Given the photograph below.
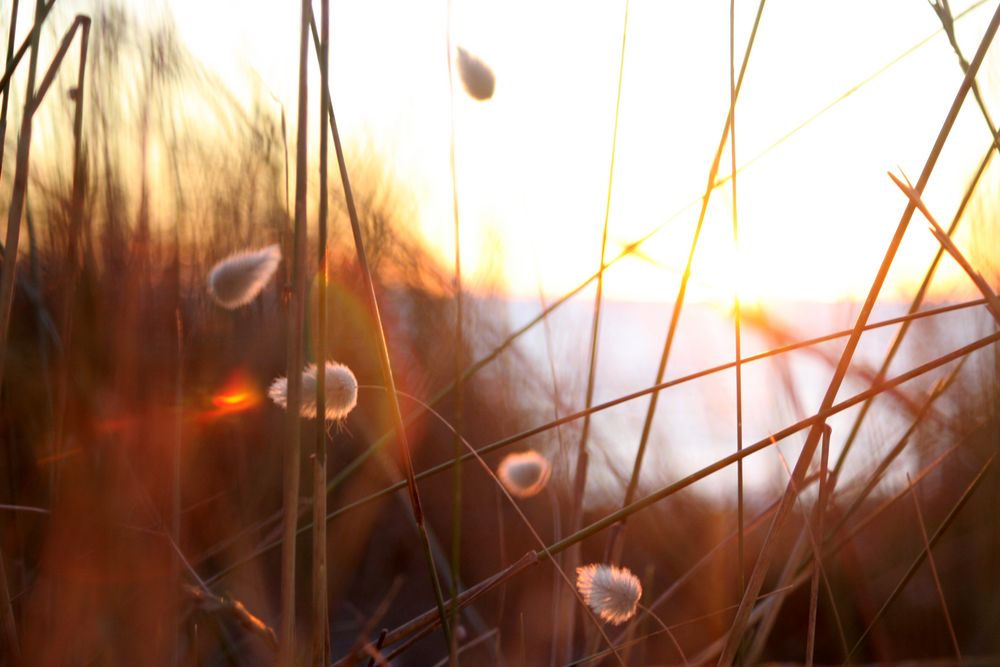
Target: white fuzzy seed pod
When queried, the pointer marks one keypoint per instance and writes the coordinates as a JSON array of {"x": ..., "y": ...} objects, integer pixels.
[
  {"x": 341, "y": 392},
  {"x": 238, "y": 279},
  {"x": 612, "y": 592},
  {"x": 524, "y": 474},
  {"x": 477, "y": 78}
]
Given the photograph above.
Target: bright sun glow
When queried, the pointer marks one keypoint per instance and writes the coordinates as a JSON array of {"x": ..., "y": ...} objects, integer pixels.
[
  {"x": 235, "y": 398},
  {"x": 533, "y": 160}
]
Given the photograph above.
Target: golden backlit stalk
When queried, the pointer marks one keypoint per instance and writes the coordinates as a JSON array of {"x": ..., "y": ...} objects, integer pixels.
[
  {"x": 819, "y": 418},
  {"x": 992, "y": 302},
  {"x": 8, "y": 275},
  {"x": 948, "y": 27},
  {"x": 647, "y": 425},
  {"x": 560, "y": 421},
  {"x": 736, "y": 295},
  {"x": 9, "y": 67},
  {"x": 459, "y": 360},
  {"x": 630, "y": 248},
  {"x": 296, "y": 323},
  {"x": 925, "y": 551},
  {"x": 934, "y": 570},
  {"x": 582, "y": 455},
  {"x": 769, "y": 548},
  {"x": 321, "y": 642},
  {"x": 399, "y": 425}
]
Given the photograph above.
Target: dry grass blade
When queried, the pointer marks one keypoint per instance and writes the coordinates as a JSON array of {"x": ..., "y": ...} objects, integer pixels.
[
  {"x": 582, "y": 454},
  {"x": 812, "y": 531},
  {"x": 925, "y": 551},
  {"x": 384, "y": 361},
  {"x": 372, "y": 621},
  {"x": 685, "y": 277},
  {"x": 484, "y": 637},
  {"x": 295, "y": 333},
  {"x": 934, "y": 571},
  {"x": 632, "y": 248},
  {"x": 41, "y": 13},
  {"x": 943, "y": 10},
  {"x": 9, "y": 67},
  {"x": 796, "y": 555},
  {"x": 741, "y": 548},
  {"x": 992, "y": 302},
  {"x": 819, "y": 514},
  {"x": 209, "y": 603},
  {"x": 805, "y": 571},
  {"x": 768, "y": 549},
  {"x": 456, "y": 503},
  {"x": 9, "y": 625},
  {"x": 80, "y": 21},
  {"x": 800, "y": 425},
  {"x": 7, "y": 278},
  {"x": 426, "y": 622},
  {"x": 524, "y": 519},
  {"x": 936, "y": 392},
  {"x": 378, "y": 647},
  {"x": 871, "y": 392},
  {"x": 321, "y": 621}
]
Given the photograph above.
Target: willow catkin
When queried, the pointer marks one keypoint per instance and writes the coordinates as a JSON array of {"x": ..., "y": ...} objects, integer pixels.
[
  {"x": 612, "y": 592},
  {"x": 341, "y": 391},
  {"x": 238, "y": 279}
]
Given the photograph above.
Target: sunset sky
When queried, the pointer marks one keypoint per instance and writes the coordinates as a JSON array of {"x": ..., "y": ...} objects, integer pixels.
[{"x": 815, "y": 214}]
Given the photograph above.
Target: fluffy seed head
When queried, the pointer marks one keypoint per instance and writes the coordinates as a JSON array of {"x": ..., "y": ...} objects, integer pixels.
[
  {"x": 239, "y": 278},
  {"x": 477, "y": 78},
  {"x": 612, "y": 592},
  {"x": 524, "y": 474},
  {"x": 341, "y": 391}
]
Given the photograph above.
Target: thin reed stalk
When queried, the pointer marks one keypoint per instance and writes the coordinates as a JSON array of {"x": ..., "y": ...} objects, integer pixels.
[
  {"x": 8, "y": 67},
  {"x": 566, "y": 419},
  {"x": 768, "y": 549},
  {"x": 10, "y": 639},
  {"x": 830, "y": 549},
  {"x": 524, "y": 519},
  {"x": 582, "y": 454},
  {"x": 41, "y": 13},
  {"x": 876, "y": 476},
  {"x": 811, "y": 530},
  {"x": 934, "y": 571},
  {"x": 740, "y": 547},
  {"x": 797, "y": 555},
  {"x": 456, "y": 495},
  {"x": 943, "y": 10},
  {"x": 647, "y": 425},
  {"x": 321, "y": 605},
  {"x": 925, "y": 551},
  {"x": 295, "y": 332},
  {"x": 631, "y": 247},
  {"x": 992, "y": 302},
  {"x": 948, "y": 27},
  {"x": 384, "y": 360},
  {"x": 819, "y": 418},
  {"x": 176, "y": 511},
  {"x": 8, "y": 275}
]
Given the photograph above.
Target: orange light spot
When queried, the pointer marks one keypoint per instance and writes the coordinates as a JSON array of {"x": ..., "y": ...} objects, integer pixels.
[
  {"x": 238, "y": 394},
  {"x": 233, "y": 399}
]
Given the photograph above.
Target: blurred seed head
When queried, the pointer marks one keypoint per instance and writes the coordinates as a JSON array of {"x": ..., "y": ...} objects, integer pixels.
[
  {"x": 477, "y": 78},
  {"x": 238, "y": 279},
  {"x": 341, "y": 391},
  {"x": 612, "y": 592},
  {"x": 524, "y": 474}
]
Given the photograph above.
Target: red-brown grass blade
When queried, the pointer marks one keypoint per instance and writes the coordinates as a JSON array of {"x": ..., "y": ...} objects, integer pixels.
[
  {"x": 768, "y": 549},
  {"x": 934, "y": 571}
]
